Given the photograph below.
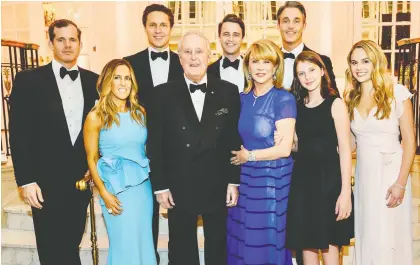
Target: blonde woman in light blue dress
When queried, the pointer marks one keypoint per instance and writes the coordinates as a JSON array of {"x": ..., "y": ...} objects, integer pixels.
[{"x": 115, "y": 137}]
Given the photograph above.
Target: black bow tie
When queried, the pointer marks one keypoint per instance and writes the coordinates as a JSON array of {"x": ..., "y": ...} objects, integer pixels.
[
  {"x": 227, "y": 63},
  {"x": 289, "y": 55},
  {"x": 73, "y": 73},
  {"x": 163, "y": 55},
  {"x": 201, "y": 87}
]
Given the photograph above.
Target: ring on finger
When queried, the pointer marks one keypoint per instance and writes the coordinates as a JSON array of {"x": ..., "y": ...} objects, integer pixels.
[{"x": 109, "y": 210}]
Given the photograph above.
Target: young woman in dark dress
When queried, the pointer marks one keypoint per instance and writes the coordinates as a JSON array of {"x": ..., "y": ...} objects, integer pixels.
[{"x": 320, "y": 200}]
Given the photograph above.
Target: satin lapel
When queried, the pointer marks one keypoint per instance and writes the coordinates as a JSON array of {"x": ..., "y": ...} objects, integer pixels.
[
  {"x": 88, "y": 102},
  {"x": 174, "y": 65},
  {"x": 187, "y": 104},
  {"x": 55, "y": 103},
  {"x": 146, "y": 73},
  {"x": 218, "y": 62},
  {"x": 210, "y": 102}
]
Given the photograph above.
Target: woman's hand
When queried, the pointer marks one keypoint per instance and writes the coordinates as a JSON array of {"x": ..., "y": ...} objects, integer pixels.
[
  {"x": 343, "y": 206},
  {"x": 113, "y": 205},
  {"x": 395, "y": 195},
  {"x": 239, "y": 157}
]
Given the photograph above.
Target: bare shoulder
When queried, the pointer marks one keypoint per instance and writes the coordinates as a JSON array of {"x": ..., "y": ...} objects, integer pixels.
[
  {"x": 339, "y": 108},
  {"x": 93, "y": 120}
]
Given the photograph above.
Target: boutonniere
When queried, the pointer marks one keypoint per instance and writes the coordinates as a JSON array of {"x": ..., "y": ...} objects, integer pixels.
[{"x": 221, "y": 111}]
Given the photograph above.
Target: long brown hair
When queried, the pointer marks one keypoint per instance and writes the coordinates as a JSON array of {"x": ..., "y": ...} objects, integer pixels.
[
  {"x": 265, "y": 50},
  {"x": 383, "y": 84},
  {"x": 298, "y": 90},
  {"x": 106, "y": 109}
]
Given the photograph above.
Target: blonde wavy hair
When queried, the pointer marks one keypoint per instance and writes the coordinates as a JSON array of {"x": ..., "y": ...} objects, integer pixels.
[
  {"x": 382, "y": 81},
  {"x": 106, "y": 109},
  {"x": 264, "y": 50}
]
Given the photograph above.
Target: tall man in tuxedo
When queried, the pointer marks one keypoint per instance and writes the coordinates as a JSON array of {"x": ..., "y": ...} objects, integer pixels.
[
  {"x": 156, "y": 64},
  {"x": 48, "y": 107},
  {"x": 291, "y": 21},
  {"x": 193, "y": 126},
  {"x": 153, "y": 66},
  {"x": 229, "y": 67}
]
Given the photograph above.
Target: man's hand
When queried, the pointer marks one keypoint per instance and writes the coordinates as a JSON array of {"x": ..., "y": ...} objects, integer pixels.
[
  {"x": 32, "y": 195},
  {"x": 232, "y": 196},
  {"x": 165, "y": 199}
]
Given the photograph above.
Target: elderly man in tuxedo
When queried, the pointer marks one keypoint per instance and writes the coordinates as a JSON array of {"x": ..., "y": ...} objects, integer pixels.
[
  {"x": 48, "y": 107},
  {"x": 193, "y": 126}
]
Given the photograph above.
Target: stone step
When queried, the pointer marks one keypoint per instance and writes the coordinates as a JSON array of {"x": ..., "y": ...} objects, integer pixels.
[
  {"x": 19, "y": 248},
  {"x": 19, "y": 216}
]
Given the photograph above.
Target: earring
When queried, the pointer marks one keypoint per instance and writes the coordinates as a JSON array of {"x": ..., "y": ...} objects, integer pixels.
[
  {"x": 249, "y": 77},
  {"x": 274, "y": 77}
]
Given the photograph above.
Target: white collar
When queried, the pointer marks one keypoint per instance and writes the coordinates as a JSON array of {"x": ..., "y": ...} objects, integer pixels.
[
  {"x": 56, "y": 66},
  {"x": 296, "y": 51},
  {"x": 238, "y": 58},
  {"x": 189, "y": 82},
  {"x": 151, "y": 49}
]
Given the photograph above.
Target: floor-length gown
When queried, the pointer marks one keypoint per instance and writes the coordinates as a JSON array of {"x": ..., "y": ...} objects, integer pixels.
[
  {"x": 256, "y": 226},
  {"x": 383, "y": 235},
  {"x": 124, "y": 168}
]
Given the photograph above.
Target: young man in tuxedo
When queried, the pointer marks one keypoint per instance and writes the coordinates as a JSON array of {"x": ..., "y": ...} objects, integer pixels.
[
  {"x": 156, "y": 64},
  {"x": 48, "y": 107},
  {"x": 193, "y": 126},
  {"x": 291, "y": 21},
  {"x": 229, "y": 67},
  {"x": 153, "y": 66}
]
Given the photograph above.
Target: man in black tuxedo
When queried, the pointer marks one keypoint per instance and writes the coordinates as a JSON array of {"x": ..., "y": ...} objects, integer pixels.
[
  {"x": 48, "y": 107},
  {"x": 193, "y": 126},
  {"x": 291, "y": 20},
  {"x": 154, "y": 66},
  {"x": 229, "y": 67}
]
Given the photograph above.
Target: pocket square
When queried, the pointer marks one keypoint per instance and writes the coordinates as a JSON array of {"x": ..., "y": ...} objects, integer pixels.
[{"x": 221, "y": 111}]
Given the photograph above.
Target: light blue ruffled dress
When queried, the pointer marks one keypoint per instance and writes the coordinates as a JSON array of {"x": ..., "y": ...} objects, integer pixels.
[{"x": 124, "y": 169}]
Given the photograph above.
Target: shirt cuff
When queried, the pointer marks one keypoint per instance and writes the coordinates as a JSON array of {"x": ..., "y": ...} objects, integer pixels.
[
  {"x": 236, "y": 185},
  {"x": 160, "y": 191},
  {"x": 23, "y": 186}
]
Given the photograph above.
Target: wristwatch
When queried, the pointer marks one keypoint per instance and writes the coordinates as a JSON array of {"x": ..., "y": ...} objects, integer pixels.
[{"x": 251, "y": 156}]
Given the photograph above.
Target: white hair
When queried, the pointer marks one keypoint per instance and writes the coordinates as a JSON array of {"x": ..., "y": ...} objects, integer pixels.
[{"x": 198, "y": 33}]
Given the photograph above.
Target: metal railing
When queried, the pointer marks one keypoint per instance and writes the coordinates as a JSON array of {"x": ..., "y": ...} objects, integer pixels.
[
  {"x": 408, "y": 75},
  {"x": 16, "y": 57}
]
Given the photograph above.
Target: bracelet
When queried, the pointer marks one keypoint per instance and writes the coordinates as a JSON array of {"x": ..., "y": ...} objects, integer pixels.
[
  {"x": 251, "y": 156},
  {"x": 399, "y": 186}
]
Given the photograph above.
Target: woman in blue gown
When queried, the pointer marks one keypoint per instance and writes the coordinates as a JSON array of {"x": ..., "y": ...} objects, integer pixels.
[
  {"x": 257, "y": 225},
  {"x": 115, "y": 137}
]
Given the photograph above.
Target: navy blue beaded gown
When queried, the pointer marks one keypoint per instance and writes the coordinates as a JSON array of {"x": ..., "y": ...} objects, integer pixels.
[{"x": 256, "y": 227}]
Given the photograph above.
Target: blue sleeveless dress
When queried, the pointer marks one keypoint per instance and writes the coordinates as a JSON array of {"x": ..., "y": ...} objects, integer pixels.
[
  {"x": 256, "y": 227},
  {"x": 124, "y": 169}
]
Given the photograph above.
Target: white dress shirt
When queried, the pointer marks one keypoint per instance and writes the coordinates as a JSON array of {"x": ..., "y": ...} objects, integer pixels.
[
  {"x": 198, "y": 98},
  {"x": 71, "y": 94},
  {"x": 288, "y": 66},
  {"x": 159, "y": 67},
  {"x": 232, "y": 75}
]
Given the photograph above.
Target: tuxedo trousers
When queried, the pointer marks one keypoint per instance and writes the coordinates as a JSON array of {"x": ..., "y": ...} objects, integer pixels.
[
  {"x": 59, "y": 227},
  {"x": 183, "y": 245}
]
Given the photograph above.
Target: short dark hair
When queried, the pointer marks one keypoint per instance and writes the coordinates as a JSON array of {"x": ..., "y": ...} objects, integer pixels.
[
  {"x": 292, "y": 4},
  {"x": 233, "y": 19},
  {"x": 62, "y": 23},
  {"x": 160, "y": 8}
]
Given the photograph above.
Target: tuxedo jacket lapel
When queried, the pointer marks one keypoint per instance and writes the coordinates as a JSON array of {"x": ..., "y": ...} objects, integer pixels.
[
  {"x": 210, "y": 101},
  {"x": 187, "y": 104}
]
